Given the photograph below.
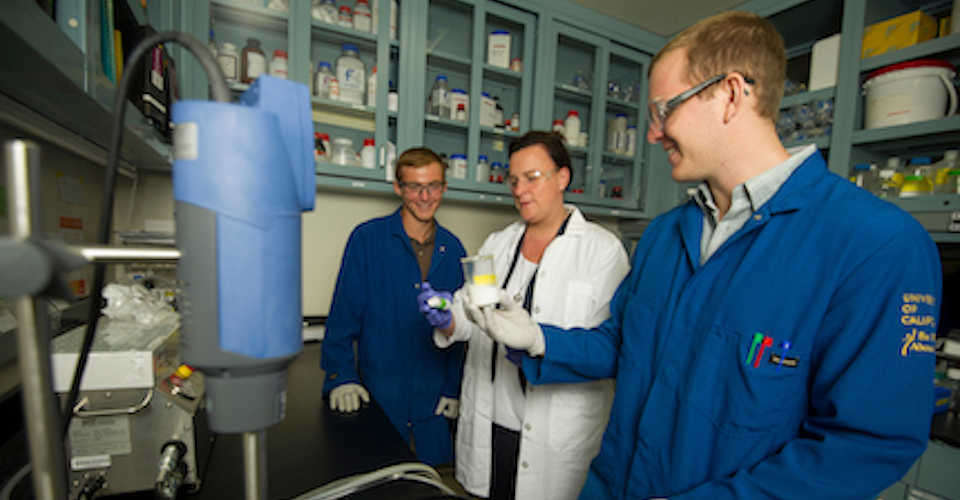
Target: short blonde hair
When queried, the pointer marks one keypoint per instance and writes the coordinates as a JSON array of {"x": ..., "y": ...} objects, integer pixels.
[
  {"x": 735, "y": 41},
  {"x": 419, "y": 157}
]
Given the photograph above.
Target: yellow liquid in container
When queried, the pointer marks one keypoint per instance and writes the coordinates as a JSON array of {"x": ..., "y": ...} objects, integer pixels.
[
  {"x": 484, "y": 279},
  {"x": 916, "y": 185}
]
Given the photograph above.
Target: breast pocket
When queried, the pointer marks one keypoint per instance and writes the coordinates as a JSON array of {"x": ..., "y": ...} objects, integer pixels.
[
  {"x": 742, "y": 388},
  {"x": 580, "y": 304}
]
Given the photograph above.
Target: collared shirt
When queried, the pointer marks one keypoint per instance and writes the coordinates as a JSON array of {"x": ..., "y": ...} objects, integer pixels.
[
  {"x": 424, "y": 251},
  {"x": 745, "y": 200}
]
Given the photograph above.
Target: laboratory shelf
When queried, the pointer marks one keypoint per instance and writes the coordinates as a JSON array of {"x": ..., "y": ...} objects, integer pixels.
[
  {"x": 805, "y": 97},
  {"x": 620, "y": 104},
  {"x": 354, "y": 171},
  {"x": 446, "y": 60},
  {"x": 336, "y": 34},
  {"x": 252, "y": 16},
  {"x": 504, "y": 75},
  {"x": 434, "y": 120},
  {"x": 500, "y": 132},
  {"x": 578, "y": 151},
  {"x": 321, "y": 104},
  {"x": 947, "y": 47},
  {"x": 822, "y": 143},
  {"x": 617, "y": 158},
  {"x": 895, "y": 139},
  {"x": 570, "y": 92}
]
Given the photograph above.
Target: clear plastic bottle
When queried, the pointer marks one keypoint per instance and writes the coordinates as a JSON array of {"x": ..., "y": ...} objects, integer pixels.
[
  {"x": 439, "y": 102},
  {"x": 253, "y": 61},
  {"x": 351, "y": 74},
  {"x": 278, "y": 65},
  {"x": 496, "y": 172},
  {"x": 361, "y": 16},
  {"x": 212, "y": 43},
  {"x": 345, "y": 16},
  {"x": 368, "y": 154},
  {"x": 483, "y": 169},
  {"x": 229, "y": 62},
  {"x": 617, "y": 134},
  {"x": 321, "y": 80},
  {"x": 372, "y": 88},
  {"x": 918, "y": 182},
  {"x": 866, "y": 176},
  {"x": 325, "y": 11},
  {"x": 942, "y": 171}
]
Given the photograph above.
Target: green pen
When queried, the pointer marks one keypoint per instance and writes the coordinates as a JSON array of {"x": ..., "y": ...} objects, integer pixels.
[{"x": 757, "y": 338}]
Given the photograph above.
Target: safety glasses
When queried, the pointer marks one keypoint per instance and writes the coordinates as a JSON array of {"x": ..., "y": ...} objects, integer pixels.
[{"x": 658, "y": 111}]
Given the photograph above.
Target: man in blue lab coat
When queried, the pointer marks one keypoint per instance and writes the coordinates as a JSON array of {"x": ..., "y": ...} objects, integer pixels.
[
  {"x": 375, "y": 306},
  {"x": 775, "y": 336}
]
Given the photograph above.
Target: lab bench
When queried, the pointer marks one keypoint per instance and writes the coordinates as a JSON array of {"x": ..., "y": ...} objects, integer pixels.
[{"x": 311, "y": 447}]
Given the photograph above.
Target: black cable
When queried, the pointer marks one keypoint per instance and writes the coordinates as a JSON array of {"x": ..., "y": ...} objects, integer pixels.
[{"x": 220, "y": 93}]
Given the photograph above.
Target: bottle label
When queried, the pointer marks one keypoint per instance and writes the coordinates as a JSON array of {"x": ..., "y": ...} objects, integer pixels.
[
  {"x": 256, "y": 64},
  {"x": 228, "y": 64}
]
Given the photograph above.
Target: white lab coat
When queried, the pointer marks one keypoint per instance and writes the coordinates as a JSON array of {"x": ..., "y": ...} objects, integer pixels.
[{"x": 563, "y": 423}]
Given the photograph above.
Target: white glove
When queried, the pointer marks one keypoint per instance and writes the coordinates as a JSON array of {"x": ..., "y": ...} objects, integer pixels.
[
  {"x": 346, "y": 398},
  {"x": 513, "y": 326},
  {"x": 449, "y": 408}
]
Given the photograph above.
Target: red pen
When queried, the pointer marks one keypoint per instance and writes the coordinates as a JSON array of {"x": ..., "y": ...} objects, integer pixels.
[{"x": 767, "y": 342}]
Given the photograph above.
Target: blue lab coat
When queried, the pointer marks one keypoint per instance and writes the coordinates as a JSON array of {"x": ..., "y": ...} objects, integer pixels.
[
  {"x": 852, "y": 282},
  {"x": 375, "y": 305}
]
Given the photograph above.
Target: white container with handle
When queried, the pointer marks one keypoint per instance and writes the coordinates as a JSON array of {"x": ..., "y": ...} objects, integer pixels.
[{"x": 909, "y": 92}]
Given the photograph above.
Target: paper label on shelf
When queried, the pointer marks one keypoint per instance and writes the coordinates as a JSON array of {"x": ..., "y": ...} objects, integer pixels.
[
  {"x": 358, "y": 184},
  {"x": 185, "y": 141}
]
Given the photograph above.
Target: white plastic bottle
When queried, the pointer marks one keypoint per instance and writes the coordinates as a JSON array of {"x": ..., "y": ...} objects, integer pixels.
[
  {"x": 372, "y": 88},
  {"x": 558, "y": 126},
  {"x": 617, "y": 134},
  {"x": 393, "y": 98},
  {"x": 458, "y": 97},
  {"x": 631, "y": 140},
  {"x": 368, "y": 154},
  {"x": 278, "y": 65},
  {"x": 361, "y": 16},
  {"x": 571, "y": 128},
  {"x": 321, "y": 80},
  {"x": 483, "y": 169},
  {"x": 439, "y": 102},
  {"x": 351, "y": 74},
  {"x": 229, "y": 62},
  {"x": 458, "y": 166}
]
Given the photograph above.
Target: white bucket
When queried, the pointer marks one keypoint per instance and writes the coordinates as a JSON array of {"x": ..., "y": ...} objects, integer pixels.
[{"x": 909, "y": 92}]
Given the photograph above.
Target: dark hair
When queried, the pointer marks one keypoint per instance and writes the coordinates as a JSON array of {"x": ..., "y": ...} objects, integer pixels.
[
  {"x": 551, "y": 141},
  {"x": 419, "y": 157}
]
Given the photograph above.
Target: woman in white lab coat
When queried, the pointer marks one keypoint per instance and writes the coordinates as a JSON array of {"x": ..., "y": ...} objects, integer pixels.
[{"x": 516, "y": 440}]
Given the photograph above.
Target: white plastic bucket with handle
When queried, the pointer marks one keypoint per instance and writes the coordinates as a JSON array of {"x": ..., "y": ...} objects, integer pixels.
[{"x": 909, "y": 92}]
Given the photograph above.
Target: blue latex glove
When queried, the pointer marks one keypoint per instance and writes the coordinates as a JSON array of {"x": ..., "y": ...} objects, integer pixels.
[{"x": 436, "y": 310}]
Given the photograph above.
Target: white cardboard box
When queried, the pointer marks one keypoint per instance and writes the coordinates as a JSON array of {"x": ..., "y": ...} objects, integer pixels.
[{"x": 824, "y": 62}]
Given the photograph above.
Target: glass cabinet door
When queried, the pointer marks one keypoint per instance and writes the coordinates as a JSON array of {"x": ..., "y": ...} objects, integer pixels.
[{"x": 621, "y": 162}]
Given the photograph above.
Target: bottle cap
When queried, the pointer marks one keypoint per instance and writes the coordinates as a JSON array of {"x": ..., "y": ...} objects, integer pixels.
[
  {"x": 229, "y": 47},
  {"x": 368, "y": 141},
  {"x": 573, "y": 112},
  {"x": 348, "y": 46},
  {"x": 280, "y": 53},
  {"x": 345, "y": 8},
  {"x": 324, "y": 64},
  {"x": 461, "y": 106}
]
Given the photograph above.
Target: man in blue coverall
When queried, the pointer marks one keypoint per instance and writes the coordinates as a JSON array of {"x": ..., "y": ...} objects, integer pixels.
[
  {"x": 775, "y": 336},
  {"x": 375, "y": 306}
]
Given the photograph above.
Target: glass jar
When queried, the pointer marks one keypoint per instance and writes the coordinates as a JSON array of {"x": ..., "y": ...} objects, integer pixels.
[{"x": 343, "y": 152}]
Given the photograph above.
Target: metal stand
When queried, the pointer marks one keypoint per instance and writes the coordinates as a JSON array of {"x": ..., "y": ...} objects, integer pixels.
[
  {"x": 33, "y": 335},
  {"x": 255, "y": 465}
]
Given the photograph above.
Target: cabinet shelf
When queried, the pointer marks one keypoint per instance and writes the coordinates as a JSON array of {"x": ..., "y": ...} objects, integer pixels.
[
  {"x": 499, "y": 131},
  {"x": 567, "y": 91},
  {"x": 504, "y": 75},
  {"x": 620, "y": 104},
  {"x": 822, "y": 143},
  {"x": 337, "y": 34},
  {"x": 448, "y": 61},
  {"x": 434, "y": 120},
  {"x": 913, "y": 135},
  {"x": 342, "y": 108},
  {"x": 328, "y": 168},
  {"x": 944, "y": 47},
  {"x": 249, "y": 15},
  {"x": 617, "y": 158},
  {"x": 805, "y": 97}
]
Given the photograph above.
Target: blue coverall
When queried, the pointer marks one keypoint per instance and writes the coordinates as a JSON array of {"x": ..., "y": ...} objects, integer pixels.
[
  {"x": 375, "y": 304},
  {"x": 705, "y": 409}
]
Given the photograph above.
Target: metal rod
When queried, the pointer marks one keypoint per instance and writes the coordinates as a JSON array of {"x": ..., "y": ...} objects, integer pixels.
[
  {"x": 33, "y": 332},
  {"x": 255, "y": 465},
  {"x": 126, "y": 255}
]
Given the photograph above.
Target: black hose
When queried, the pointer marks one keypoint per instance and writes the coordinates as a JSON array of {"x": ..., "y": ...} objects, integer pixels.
[{"x": 220, "y": 93}]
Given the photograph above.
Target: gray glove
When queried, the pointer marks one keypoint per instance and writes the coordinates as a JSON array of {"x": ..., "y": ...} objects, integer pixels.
[{"x": 346, "y": 398}]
